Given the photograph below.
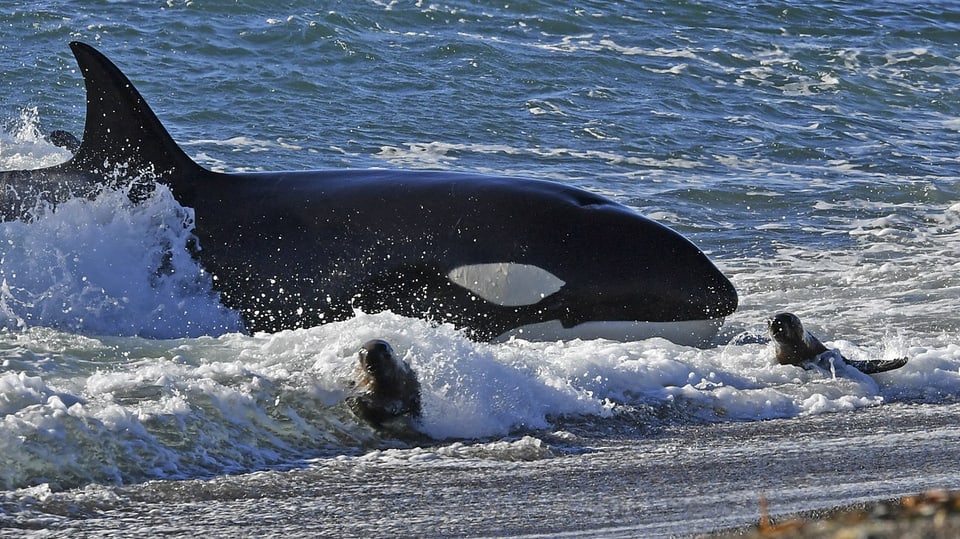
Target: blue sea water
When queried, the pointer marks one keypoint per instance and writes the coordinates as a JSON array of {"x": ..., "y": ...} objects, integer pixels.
[{"x": 809, "y": 149}]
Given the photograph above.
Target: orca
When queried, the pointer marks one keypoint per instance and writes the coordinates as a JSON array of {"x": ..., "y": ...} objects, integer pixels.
[{"x": 495, "y": 256}]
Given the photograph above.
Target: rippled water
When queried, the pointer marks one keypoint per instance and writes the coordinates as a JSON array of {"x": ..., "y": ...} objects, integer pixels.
[{"x": 810, "y": 150}]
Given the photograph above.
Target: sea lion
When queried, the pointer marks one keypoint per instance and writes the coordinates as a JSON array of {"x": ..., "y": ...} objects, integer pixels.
[
  {"x": 796, "y": 346},
  {"x": 389, "y": 388}
]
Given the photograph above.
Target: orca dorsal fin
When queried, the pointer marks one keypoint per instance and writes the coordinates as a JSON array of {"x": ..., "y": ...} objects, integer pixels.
[{"x": 120, "y": 129}]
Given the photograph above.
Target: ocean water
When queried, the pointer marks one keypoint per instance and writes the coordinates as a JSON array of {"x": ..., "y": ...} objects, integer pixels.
[{"x": 810, "y": 150}]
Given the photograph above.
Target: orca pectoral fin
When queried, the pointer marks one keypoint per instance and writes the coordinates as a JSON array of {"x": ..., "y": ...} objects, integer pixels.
[{"x": 876, "y": 366}]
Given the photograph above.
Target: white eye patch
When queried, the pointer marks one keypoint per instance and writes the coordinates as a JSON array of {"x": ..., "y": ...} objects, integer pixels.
[{"x": 506, "y": 283}]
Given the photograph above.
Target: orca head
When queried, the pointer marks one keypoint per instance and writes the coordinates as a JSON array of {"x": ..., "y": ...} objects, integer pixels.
[{"x": 588, "y": 267}]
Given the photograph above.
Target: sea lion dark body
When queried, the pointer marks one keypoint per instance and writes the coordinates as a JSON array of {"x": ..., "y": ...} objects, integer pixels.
[
  {"x": 797, "y": 346},
  {"x": 389, "y": 388}
]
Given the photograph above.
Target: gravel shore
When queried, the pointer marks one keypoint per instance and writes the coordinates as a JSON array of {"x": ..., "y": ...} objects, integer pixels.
[{"x": 931, "y": 515}]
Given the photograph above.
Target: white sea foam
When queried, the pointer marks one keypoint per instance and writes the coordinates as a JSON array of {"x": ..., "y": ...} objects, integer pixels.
[
  {"x": 108, "y": 266},
  {"x": 268, "y": 399},
  {"x": 23, "y": 146}
]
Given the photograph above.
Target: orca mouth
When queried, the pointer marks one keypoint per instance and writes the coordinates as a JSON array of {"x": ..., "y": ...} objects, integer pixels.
[{"x": 622, "y": 305}]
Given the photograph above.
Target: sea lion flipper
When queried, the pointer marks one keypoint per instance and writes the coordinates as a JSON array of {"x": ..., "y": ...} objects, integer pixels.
[{"x": 876, "y": 366}]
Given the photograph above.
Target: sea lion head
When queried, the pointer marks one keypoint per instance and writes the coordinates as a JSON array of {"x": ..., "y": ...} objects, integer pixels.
[
  {"x": 786, "y": 328},
  {"x": 389, "y": 387},
  {"x": 794, "y": 345},
  {"x": 377, "y": 360}
]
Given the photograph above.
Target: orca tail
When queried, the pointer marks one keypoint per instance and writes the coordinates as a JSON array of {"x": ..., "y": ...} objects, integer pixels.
[{"x": 120, "y": 128}]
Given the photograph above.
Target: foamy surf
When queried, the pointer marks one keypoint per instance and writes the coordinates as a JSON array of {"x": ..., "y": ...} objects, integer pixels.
[
  {"x": 108, "y": 266},
  {"x": 102, "y": 265},
  {"x": 123, "y": 410}
]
